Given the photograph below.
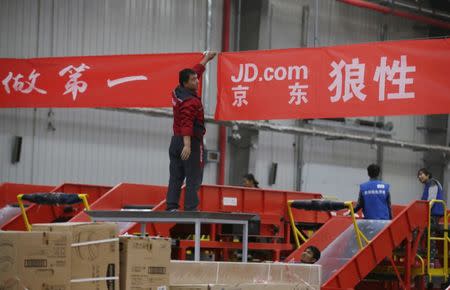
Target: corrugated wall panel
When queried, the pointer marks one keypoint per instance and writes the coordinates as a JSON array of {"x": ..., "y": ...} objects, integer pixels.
[
  {"x": 18, "y": 29},
  {"x": 96, "y": 146},
  {"x": 89, "y": 146},
  {"x": 401, "y": 166},
  {"x": 275, "y": 148},
  {"x": 335, "y": 168},
  {"x": 16, "y": 122}
]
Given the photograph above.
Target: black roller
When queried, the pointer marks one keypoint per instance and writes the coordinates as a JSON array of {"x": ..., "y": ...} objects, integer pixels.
[
  {"x": 52, "y": 198},
  {"x": 318, "y": 205}
]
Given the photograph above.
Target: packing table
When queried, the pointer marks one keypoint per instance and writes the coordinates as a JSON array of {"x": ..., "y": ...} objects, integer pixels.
[{"x": 186, "y": 217}]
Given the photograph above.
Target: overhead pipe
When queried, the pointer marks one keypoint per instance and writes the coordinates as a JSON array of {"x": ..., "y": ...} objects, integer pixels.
[
  {"x": 265, "y": 126},
  {"x": 399, "y": 13},
  {"x": 222, "y": 128}
]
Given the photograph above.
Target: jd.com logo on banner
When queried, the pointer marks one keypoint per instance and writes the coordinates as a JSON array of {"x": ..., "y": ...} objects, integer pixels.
[{"x": 394, "y": 78}]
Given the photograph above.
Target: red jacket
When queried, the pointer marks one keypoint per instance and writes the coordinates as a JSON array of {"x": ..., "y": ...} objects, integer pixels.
[{"x": 188, "y": 115}]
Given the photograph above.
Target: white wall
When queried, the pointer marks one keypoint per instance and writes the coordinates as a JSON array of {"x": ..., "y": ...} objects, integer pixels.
[
  {"x": 335, "y": 168},
  {"x": 401, "y": 166},
  {"x": 89, "y": 146},
  {"x": 275, "y": 148},
  {"x": 95, "y": 146}
]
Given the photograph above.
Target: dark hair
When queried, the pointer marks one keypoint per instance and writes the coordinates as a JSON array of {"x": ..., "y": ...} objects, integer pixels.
[
  {"x": 184, "y": 75},
  {"x": 251, "y": 177},
  {"x": 425, "y": 171},
  {"x": 315, "y": 251},
  {"x": 373, "y": 170}
]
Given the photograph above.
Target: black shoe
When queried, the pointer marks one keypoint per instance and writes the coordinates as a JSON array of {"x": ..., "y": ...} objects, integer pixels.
[{"x": 172, "y": 210}]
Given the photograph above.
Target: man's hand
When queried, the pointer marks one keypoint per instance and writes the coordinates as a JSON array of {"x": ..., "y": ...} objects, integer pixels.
[
  {"x": 207, "y": 57},
  {"x": 186, "y": 152},
  {"x": 210, "y": 55}
]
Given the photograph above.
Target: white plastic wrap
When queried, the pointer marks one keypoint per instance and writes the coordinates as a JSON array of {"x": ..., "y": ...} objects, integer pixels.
[
  {"x": 345, "y": 246},
  {"x": 189, "y": 272},
  {"x": 7, "y": 213}
]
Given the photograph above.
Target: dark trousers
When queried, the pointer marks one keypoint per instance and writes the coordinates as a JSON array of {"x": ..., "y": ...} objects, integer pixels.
[
  {"x": 434, "y": 233},
  {"x": 191, "y": 169},
  {"x": 434, "y": 222}
]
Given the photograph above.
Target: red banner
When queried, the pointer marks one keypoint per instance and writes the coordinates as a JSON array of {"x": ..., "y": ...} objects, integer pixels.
[
  {"x": 92, "y": 81},
  {"x": 374, "y": 79}
]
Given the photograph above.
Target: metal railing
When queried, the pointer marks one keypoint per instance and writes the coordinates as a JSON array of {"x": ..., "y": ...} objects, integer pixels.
[{"x": 438, "y": 272}]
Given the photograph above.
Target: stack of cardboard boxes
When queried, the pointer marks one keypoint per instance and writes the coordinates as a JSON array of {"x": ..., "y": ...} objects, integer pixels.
[
  {"x": 82, "y": 256},
  {"x": 90, "y": 256},
  {"x": 188, "y": 275}
]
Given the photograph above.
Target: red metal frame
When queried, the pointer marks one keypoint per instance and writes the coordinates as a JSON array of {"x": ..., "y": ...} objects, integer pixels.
[
  {"x": 46, "y": 214},
  {"x": 406, "y": 219},
  {"x": 9, "y": 191},
  {"x": 323, "y": 237},
  {"x": 397, "y": 272},
  {"x": 329, "y": 231},
  {"x": 128, "y": 193},
  {"x": 381, "y": 246},
  {"x": 270, "y": 205}
]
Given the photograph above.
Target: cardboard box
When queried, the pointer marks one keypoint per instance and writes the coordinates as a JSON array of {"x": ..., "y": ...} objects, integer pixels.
[
  {"x": 268, "y": 286},
  {"x": 192, "y": 287},
  {"x": 34, "y": 260},
  {"x": 95, "y": 254},
  {"x": 230, "y": 273},
  {"x": 144, "y": 263},
  {"x": 200, "y": 287},
  {"x": 247, "y": 286},
  {"x": 295, "y": 273}
]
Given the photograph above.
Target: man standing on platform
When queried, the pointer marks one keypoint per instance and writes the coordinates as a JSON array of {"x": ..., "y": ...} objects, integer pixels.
[{"x": 186, "y": 146}]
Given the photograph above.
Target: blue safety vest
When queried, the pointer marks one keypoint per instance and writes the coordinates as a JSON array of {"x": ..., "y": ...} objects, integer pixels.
[
  {"x": 438, "y": 209},
  {"x": 375, "y": 194}
]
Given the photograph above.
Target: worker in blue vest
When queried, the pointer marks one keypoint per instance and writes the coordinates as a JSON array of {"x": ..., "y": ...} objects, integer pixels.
[
  {"x": 374, "y": 196},
  {"x": 432, "y": 190}
]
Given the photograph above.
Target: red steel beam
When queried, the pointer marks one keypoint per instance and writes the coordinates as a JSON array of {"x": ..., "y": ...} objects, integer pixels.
[
  {"x": 323, "y": 237},
  {"x": 222, "y": 128},
  {"x": 381, "y": 246},
  {"x": 399, "y": 13}
]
